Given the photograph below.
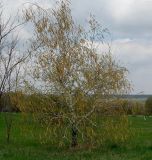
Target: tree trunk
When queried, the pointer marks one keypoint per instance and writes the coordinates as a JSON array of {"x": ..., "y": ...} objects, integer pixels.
[
  {"x": 74, "y": 134},
  {"x": 8, "y": 122},
  {"x": 8, "y": 135},
  {"x": 0, "y": 101}
]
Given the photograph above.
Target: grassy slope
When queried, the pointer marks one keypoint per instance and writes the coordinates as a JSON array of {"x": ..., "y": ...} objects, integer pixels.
[{"x": 28, "y": 148}]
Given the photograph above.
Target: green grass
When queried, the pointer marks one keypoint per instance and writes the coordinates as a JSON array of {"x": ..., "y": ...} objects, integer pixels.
[{"x": 26, "y": 147}]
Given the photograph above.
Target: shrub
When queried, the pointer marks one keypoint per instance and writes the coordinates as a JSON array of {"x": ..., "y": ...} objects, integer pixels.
[
  {"x": 138, "y": 108},
  {"x": 148, "y": 106},
  {"x": 133, "y": 107}
]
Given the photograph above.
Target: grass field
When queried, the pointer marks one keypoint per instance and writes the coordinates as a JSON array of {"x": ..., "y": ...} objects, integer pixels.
[{"x": 24, "y": 147}]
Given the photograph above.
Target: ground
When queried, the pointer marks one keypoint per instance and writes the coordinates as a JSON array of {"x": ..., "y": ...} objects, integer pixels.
[{"x": 23, "y": 147}]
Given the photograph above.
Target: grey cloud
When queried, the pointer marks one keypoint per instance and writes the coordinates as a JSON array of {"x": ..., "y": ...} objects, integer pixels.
[
  {"x": 124, "y": 18},
  {"x": 130, "y": 23},
  {"x": 137, "y": 57},
  {"x": 130, "y": 18}
]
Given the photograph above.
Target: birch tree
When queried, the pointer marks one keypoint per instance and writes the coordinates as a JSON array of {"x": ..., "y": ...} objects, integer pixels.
[
  {"x": 10, "y": 56},
  {"x": 70, "y": 63}
]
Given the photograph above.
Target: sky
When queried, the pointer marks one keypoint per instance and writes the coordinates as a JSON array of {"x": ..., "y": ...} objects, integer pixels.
[{"x": 130, "y": 25}]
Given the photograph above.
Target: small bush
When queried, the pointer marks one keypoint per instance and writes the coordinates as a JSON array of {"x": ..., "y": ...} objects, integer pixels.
[
  {"x": 148, "y": 106},
  {"x": 133, "y": 107}
]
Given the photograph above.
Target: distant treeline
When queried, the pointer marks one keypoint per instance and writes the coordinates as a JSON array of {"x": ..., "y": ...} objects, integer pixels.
[{"x": 134, "y": 96}]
